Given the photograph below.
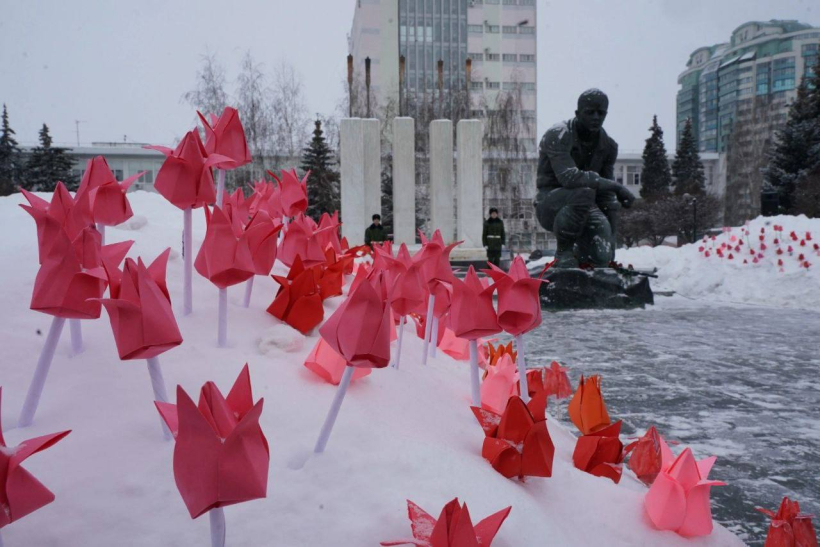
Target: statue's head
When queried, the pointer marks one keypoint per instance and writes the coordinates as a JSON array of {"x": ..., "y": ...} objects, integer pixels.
[{"x": 592, "y": 109}]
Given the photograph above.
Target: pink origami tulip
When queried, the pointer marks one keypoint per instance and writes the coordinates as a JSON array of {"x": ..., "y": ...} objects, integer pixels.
[
  {"x": 457, "y": 348},
  {"x": 678, "y": 500},
  {"x": 109, "y": 203},
  {"x": 20, "y": 493},
  {"x": 239, "y": 206},
  {"x": 329, "y": 234},
  {"x": 408, "y": 294},
  {"x": 261, "y": 233},
  {"x": 185, "y": 178},
  {"x": 221, "y": 456},
  {"x": 302, "y": 239},
  {"x": 329, "y": 365},
  {"x": 293, "y": 192},
  {"x": 519, "y": 306},
  {"x": 63, "y": 214},
  {"x": 454, "y": 528},
  {"x": 225, "y": 257},
  {"x": 140, "y": 311},
  {"x": 225, "y": 137},
  {"x": 556, "y": 381},
  {"x": 500, "y": 384},
  {"x": 472, "y": 314}
]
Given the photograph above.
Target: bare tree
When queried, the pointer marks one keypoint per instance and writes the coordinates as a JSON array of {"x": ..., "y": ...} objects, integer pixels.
[
  {"x": 209, "y": 95},
  {"x": 290, "y": 119},
  {"x": 255, "y": 111}
]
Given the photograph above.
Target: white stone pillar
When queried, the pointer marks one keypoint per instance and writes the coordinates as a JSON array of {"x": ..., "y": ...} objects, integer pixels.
[
  {"x": 469, "y": 134},
  {"x": 442, "y": 211},
  {"x": 351, "y": 144},
  {"x": 404, "y": 181},
  {"x": 371, "y": 135}
]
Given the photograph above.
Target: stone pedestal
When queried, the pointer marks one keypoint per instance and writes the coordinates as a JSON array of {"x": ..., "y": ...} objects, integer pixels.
[
  {"x": 371, "y": 135},
  {"x": 602, "y": 288},
  {"x": 404, "y": 181},
  {"x": 469, "y": 134},
  {"x": 351, "y": 145},
  {"x": 442, "y": 211}
]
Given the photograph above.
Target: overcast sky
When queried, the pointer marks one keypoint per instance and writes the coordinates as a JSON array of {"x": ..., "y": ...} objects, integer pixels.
[{"x": 121, "y": 67}]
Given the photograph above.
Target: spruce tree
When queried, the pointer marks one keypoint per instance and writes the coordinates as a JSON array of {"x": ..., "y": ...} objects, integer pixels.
[
  {"x": 49, "y": 165},
  {"x": 656, "y": 177},
  {"x": 323, "y": 183},
  {"x": 687, "y": 169},
  {"x": 10, "y": 157},
  {"x": 797, "y": 147}
]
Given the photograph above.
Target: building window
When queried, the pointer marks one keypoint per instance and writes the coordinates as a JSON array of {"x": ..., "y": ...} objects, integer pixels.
[
  {"x": 493, "y": 29},
  {"x": 476, "y": 56},
  {"x": 528, "y": 86},
  {"x": 526, "y": 2},
  {"x": 475, "y": 28},
  {"x": 526, "y": 58},
  {"x": 493, "y": 57},
  {"x": 476, "y": 85},
  {"x": 476, "y": 113},
  {"x": 633, "y": 175},
  {"x": 148, "y": 176},
  {"x": 493, "y": 85},
  {"x": 509, "y": 29},
  {"x": 526, "y": 30},
  {"x": 493, "y": 2},
  {"x": 509, "y": 57}
]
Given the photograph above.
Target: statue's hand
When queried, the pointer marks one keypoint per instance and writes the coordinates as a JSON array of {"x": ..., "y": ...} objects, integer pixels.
[{"x": 626, "y": 197}]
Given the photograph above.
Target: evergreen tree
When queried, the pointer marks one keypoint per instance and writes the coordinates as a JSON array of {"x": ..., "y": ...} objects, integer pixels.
[
  {"x": 797, "y": 150},
  {"x": 10, "y": 158},
  {"x": 687, "y": 169},
  {"x": 49, "y": 165},
  {"x": 387, "y": 194},
  {"x": 656, "y": 177},
  {"x": 323, "y": 183}
]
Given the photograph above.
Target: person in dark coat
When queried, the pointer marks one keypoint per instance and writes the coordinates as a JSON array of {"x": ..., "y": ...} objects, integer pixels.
[
  {"x": 493, "y": 237},
  {"x": 375, "y": 233}
]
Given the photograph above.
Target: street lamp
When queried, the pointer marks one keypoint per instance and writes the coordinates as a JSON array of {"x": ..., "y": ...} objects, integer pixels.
[{"x": 694, "y": 202}]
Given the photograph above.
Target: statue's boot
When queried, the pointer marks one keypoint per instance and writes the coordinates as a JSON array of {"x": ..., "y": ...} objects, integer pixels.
[{"x": 565, "y": 253}]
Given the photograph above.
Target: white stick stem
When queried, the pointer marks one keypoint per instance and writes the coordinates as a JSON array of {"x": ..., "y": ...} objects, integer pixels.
[
  {"x": 522, "y": 368},
  {"x": 327, "y": 427},
  {"x": 1, "y": 539},
  {"x": 475, "y": 387},
  {"x": 434, "y": 338},
  {"x": 428, "y": 327},
  {"x": 217, "y": 516},
  {"x": 398, "y": 345},
  {"x": 35, "y": 389},
  {"x": 76, "y": 329},
  {"x": 101, "y": 229},
  {"x": 222, "y": 335},
  {"x": 248, "y": 291},
  {"x": 158, "y": 384},
  {"x": 188, "y": 251},
  {"x": 220, "y": 187}
]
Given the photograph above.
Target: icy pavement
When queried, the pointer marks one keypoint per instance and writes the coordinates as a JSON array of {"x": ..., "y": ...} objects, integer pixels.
[{"x": 739, "y": 382}]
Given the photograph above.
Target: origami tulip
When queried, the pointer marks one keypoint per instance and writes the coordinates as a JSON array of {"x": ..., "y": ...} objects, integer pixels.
[
  {"x": 516, "y": 444},
  {"x": 678, "y": 500},
  {"x": 452, "y": 529},
  {"x": 221, "y": 456},
  {"x": 359, "y": 331},
  {"x": 63, "y": 214},
  {"x": 647, "y": 455},
  {"x": 556, "y": 381},
  {"x": 587, "y": 409},
  {"x": 329, "y": 365},
  {"x": 457, "y": 348},
  {"x": 225, "y": 137},
  {"x": 239, "y": 206},
  {"x": 600, "y": 453},
  {"x": 330, "y": 276},
  {"x": 303, "y": 240},
  {"x": 496, "y": 352},
  {"x": 109, "y": 203},
  {"x": 501, "y": 384},
  {"x": 329, "y": 235},
  {"x": 298, "y": 302},
  {"x": 225, "y": 257},
  {"x": 20, "y": 493},
  {"x": 293, "y": 192},
  {"x": 789, "y": 527}
]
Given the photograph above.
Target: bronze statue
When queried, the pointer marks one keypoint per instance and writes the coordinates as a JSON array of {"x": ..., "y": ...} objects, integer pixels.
[{"x": 577, "y": 199}]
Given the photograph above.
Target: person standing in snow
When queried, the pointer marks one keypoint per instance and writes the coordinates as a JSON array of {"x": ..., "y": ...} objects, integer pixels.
[
  {"x": 493, "y": 237},
  {"x": 375, "y": 232}
]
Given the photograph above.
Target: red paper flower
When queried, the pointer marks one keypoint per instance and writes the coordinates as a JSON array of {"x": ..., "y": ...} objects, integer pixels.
[
  {"x": 647, "y": 455},
  {"x": 225, "y": 137},
  {"x": 298, "y": 301},
  {"x": 472, "y": 314},
  {"x": 789, "y": 527},
  {"x": 293, "y": 192},
  {"x": 601, "y": 453},
  {"x": 519, "y": 306},
  {"x": 329, "y": 365},
  {"x": 225, "y": 256},
  {"x": 109, "y": 203}
]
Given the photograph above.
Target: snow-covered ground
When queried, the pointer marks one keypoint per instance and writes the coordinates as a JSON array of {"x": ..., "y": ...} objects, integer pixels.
[{"x": 401, "y": 434}]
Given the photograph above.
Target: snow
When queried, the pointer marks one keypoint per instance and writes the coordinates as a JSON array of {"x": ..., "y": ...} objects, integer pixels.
[{"x": 401, "y": 434}]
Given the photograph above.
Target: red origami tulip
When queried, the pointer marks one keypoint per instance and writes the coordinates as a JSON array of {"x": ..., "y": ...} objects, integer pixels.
[
  {"x": 238, "y": 205},
  {"x": 329, "y": 234},
  {"x": 302, "y": 239},
  {"x": 496, "y": 352},
  {"x": 408, "y": 294},
  {"x": 20, "y": 492},
  {"x": 185, "y": 178},
  {"x": 109, "y": 203},
  {"x": 225, "y": 257},
  {"x": 452, "y": 529},
  {"x": 225, "y": 137},
  {"x": 140, "y": 310},
  {"x": 298, "y": 301},
  {"x": 556, "y": 381},
  {"x": 329, "y": 365},
  {"x": 472, "y": 314},
  {"x": 519, "y": 306},
  {"x": 293, "y": 192},
  {"x": 434, "y": 258},
  {"x": 330, "y": 276},
  {"x": 516, "y": 444},
  {"x": 789, "y": 527},
  {"x": 647, "y": 455},
  {"x": 601, "y": 453},
  {"x": 421, "y": 323},
  {"x": 221, "y": 456},
  {"x": 261, "y": 233},
  {"x": 457, "y": 348},
  {"x": 63, "y": 214}
]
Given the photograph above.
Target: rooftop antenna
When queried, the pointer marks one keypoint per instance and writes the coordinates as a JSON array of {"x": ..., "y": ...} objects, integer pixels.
[{"x": 77, "y": 128}]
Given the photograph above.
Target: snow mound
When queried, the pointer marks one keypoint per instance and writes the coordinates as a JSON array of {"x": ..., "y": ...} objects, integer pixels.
[
  {"x": 281, "y": 337},
  {"x": 401, "y": 434},
  {"x": 136, "y": 222}
]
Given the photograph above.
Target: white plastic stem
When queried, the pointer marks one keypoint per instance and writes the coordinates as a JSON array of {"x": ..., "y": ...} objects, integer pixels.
[
  {"x": 248, "y": 291},
  {"x": 222, "y": 335},
  {"x": 217, "y": 516},
  {"x": 1, "y": 539},
  {"x": 522, "y": 368},
  {"x": 101, "y": 229},
  {"x": 35, "y": 389},
  {"x": 434, "y": 338},
  {"x": 76, "y": 336},
  {"x": 398, "y": 345},
  {"x": 220, "y": 187},
  {"x": 158, "y": 384},
  {"x": 327, "y": 427},
  {"x": 188, "y": 251},
  {"x": 428, "y": 327},
  {"x": 475, "y": 387}
]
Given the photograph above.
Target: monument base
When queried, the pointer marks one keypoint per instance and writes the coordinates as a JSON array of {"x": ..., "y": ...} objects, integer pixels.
[
  {"x": 464, "y": 258},
  {"x": 602, "y": 288}
]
